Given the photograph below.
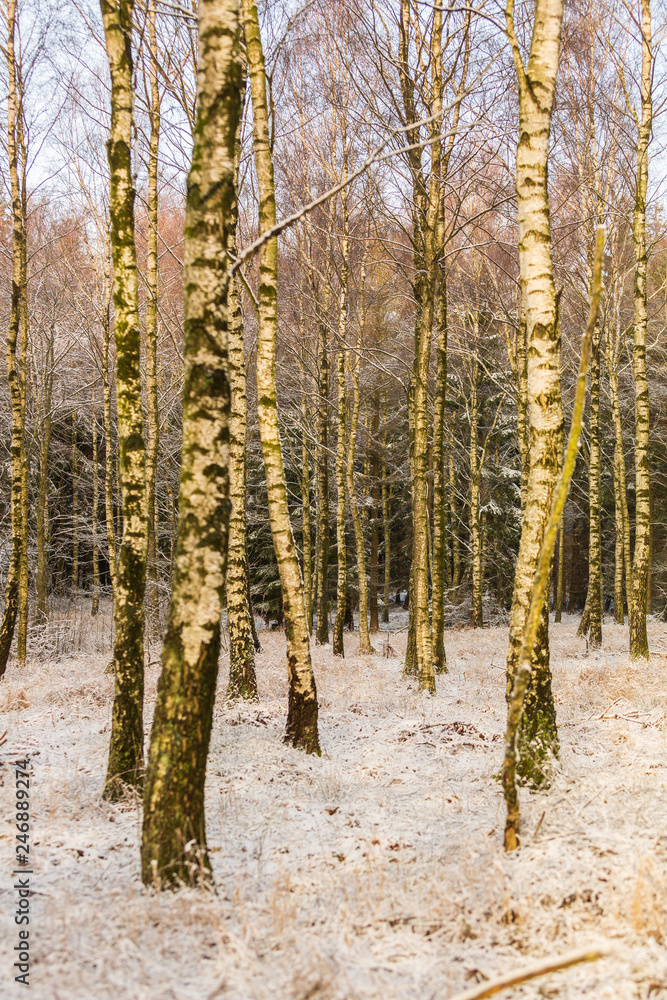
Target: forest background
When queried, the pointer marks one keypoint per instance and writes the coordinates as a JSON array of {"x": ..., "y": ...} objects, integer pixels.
[{"x": 335, "y": 100}]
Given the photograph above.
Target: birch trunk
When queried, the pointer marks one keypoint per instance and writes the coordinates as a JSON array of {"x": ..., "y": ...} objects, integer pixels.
[
  {"x": 386, "y": 522},
  {"x": 594, "y": 543},
  {"x": 305, "y": 515},
  {"x": 542, "y": 576},
  {"x": 454, "y": 520},
  {"x": 438, "y": 574},
  {"x": 365, "y": 647},
  {"x": 538, "y": 738},
  {"x": 619, "y": 612},
  {"x": 475, "y": 528},
  {"x": 10, "y": 612},
  {"x": 108, "y": 451},
  {"x": 22, "y": 634},
  {"x": 374, "y": 624},
  {"x": 622, "y": 482},
  {"x": 152, "y": 282},
  {"x": 561, "y": 564},
  {"x": 94, "y": 525},
  {"x": 302, "y": 710},
  {"x": 522, "y": 408},
  {"x": 322, "y": 551},
  {"x": 341, "y": 547},
  {"x": 174, "y": 830},
  {"x": 341, "y": 445},
  {"x": 426, "y": 214},
  {"x": 126, "y": 750},
  {"x": 75, "y": 506},
  {"x": 42, "y": 606},
  {"x": 242, "y": 676},
  {"x": 639, "y": 648}
]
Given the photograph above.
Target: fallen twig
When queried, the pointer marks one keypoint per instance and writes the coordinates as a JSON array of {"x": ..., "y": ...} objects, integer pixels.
[
  {"x": 607, "y": 709},
  {"x": 532, "y": 972}
]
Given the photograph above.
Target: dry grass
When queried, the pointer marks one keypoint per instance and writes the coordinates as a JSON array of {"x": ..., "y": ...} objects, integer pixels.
[{"x": 375, "y": 871}]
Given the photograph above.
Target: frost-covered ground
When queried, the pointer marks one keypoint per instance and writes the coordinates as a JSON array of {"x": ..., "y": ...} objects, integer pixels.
[{"x": 375, "y": 871}]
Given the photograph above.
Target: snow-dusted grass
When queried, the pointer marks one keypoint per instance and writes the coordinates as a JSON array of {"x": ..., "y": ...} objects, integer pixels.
[{"x": 375, "y": 871}]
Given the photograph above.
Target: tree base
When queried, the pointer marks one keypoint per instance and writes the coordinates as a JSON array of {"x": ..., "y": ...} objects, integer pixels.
[
  {"x": 126, "y": 789},
  {"x": 301, "y": 731},
  {"x": 242, "y": 681},
  {"x": 538, "y": 749},
  {"x": 192, "y": 867}
]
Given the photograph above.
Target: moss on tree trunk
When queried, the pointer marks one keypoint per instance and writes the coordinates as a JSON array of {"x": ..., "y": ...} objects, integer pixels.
[
  {"x": 126, "y": 757},
  {"x": 174, "y": 831}
]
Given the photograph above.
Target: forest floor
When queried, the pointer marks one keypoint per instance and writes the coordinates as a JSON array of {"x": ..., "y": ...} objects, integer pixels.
[{"x": 375, "y": 871}]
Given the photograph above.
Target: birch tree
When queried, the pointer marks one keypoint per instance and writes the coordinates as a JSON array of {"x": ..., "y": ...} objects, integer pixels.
[
  {"x": 174, "y": 828},
  {"x": 242, "y": 676},
  {"x": 536, "y": 85},
  {"x": 639, "y": 648},
  {"x": 302, "y": 707},
  {"x": 126, "y": 750},
  {"x": 16, "y": 346}
]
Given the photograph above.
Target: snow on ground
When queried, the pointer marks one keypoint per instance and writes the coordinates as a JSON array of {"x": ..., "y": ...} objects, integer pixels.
[{"x": 376, "y": 871}]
